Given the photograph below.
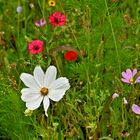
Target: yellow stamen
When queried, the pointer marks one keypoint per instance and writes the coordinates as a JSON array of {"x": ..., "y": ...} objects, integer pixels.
[
  {"x": 44, "y": 91},
  {"x": 131, "y": 80}
]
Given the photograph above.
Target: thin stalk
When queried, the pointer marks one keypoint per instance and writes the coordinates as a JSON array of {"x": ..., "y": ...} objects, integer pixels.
[
  {"x": 113, "y": 34},
  {"x": 70, "y": 28},
  {"x": 18, "y": 32},
  {"x": 123, "y": 118},
  {"x": 58, "y": 65}
]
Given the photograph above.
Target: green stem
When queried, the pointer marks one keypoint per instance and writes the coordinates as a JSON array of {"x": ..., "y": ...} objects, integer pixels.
[
  {"x": 113, "y": 34},
  {"x": 57, "y": 64},
  {"x": 123, "y": 118}
]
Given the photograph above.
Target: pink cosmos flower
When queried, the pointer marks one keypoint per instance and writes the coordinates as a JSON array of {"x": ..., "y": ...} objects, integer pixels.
[
  {"x": 57, "y": 19},
  {"x": 36, "y": 46},
  {"x": 128, "y": 76},
  {"x": 40, "y": 23},
  {"x": 136, "y": 109}
]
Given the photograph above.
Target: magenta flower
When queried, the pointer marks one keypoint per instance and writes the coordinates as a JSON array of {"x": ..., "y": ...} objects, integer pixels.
[
  {"x": 128, "y": 76},
  {"x": 136, "y": 109},
  {"x": 36, "y": 46},
  {"x": 57, "y": 19},
  {"x": 40, "y": 23}
]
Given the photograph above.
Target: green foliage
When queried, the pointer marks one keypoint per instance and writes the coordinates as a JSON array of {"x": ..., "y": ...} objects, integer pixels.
[{"x": 105, "y": 35}]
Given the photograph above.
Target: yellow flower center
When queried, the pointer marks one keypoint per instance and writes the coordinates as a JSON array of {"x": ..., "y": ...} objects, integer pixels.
[
  {"x": 44, "y": 91},
  {"x": 51, "y": 3},
  {"x": 131, "y": 80}
]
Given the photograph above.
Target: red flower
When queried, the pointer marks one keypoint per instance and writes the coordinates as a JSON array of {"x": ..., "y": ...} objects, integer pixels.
[
  {"x": 57, "y": 19},
  {"x": 70, "y": 56},
  {"x": 36, "y": 46}
]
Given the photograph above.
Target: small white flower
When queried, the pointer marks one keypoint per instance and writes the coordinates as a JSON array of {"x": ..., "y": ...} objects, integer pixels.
[
  {"x": 125, "y": 102},
  {"x": 43, "y": 87},
  {"x": 115, "y": 95},
  {"x": 31, "y": 5},
  {"x": 19, "y": 9}
]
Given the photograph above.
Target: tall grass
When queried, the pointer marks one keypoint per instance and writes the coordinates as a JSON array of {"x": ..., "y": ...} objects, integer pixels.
[{"x": 106, "y": 36}]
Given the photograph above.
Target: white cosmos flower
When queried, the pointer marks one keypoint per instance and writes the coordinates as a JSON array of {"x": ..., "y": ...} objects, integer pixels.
[{"x": 43, "y": 87}]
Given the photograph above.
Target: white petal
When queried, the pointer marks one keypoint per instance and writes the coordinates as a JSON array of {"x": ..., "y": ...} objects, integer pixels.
[
  {"x": 39, "y": 75},
  {"x": 60, "y": 83},
  {"x": 29, "y": 81},
  {"x": 34, "y": 104},
  {"x": 125, "y": 102},
  {"x": 46, "y": 103},
  {"x": 28, "y": 95},
  {"x": 50, "y": 75},
  {"x": 56, "y": 95}
]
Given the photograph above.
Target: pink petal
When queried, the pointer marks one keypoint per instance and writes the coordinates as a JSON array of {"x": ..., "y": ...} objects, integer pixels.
[
  {"x": 39, "y": 43},
  {"x": 137, "y": 80},
  {"x": 136, "y": 109},
  {"x": 125, "y": 80},
  {"x": 63, "y": 18},
  {"x": 32, "y": 51},
  {"x": 55, "y": 24},
  {"x": 129, "y": 73},
  {"x": 42, "y": 22},
  {"x": 51, "y": 18},
  {"x": 30, "y": 46},
  {"x": 57, "y": 14},
  {"x": 134, "y": 72},
  {"x": 61, "y": 23},
  {"x": 126, "y": 76},
  {"x": 37, "y": 23}
]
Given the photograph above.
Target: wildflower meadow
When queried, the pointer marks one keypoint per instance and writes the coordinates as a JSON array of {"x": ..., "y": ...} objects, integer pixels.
[{"x": 70, "y": 70}]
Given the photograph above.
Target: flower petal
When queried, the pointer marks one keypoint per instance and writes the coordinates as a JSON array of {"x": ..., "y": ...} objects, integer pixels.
[
  {"x": 42, "y": 22},
  {"x": 125, "y": 81},
  {"x": 125, "y": 102},
  {"x": 28, "y": 95},
  {"x": 39, "y": 75},
  {"x": 137, "y": 80},
  {"x": 51, "y": 18},
  {"x": 34, "y": 104},
  {"x": 60, "y": 83},
  {"x": 56, "y": 95},
  {"x": 37, "y": 43},
  {"x": 115, "y": 95},
  {"x": 57, "y": 14},
  {"x": 50, "y": 76},
  {"x": 129, "y": 73},
  {"x": 63, "y": 18},
  {"x": 37, "y": 23},
  {"x": 136, "y": 109},
  {"x": 46, "y": 103},
  {"x": 134, "y": 72},
  {"x": 29, "y": 81},
  {"x": 125, "y": 76}
]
